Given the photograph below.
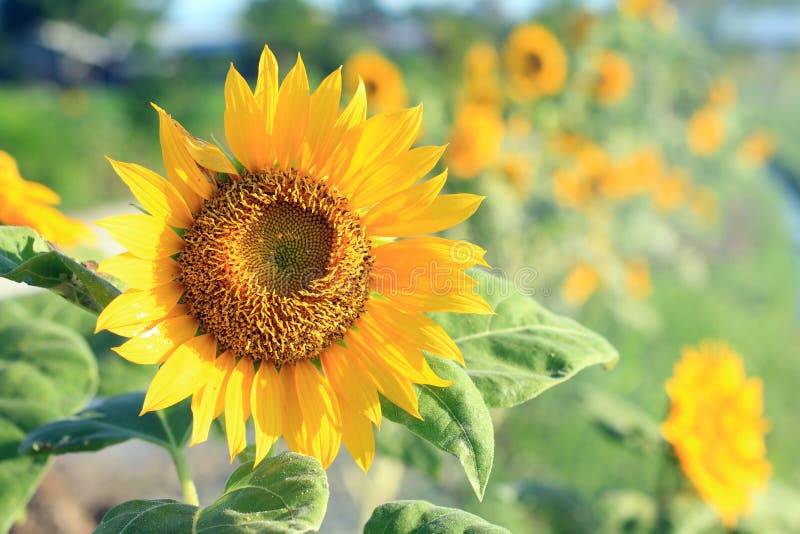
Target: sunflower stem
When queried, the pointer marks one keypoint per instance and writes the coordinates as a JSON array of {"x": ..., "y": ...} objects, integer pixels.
[{"x": 185, "y": 477}]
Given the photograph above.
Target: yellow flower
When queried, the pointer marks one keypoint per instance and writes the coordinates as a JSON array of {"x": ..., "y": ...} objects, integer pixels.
[
  {"x": 614, "y": 78},
  {"x": 590, "y": 178},
  {"x": 382, "y": 79},
  {"x": 639, "y": 8},
  {"x": 581, "y": 283},
  {"x": 481, "y": 60},
  {"x": 536, "y": 62},
  {"x": 723, "y": 93},
  {"x": 24, "y": 203},
  {"x": 759, "y": 147},
  {"x": 570, "y": 188},
  {"x": 281, "y": 290},
  {"x": 475, "y": 140},
  {"x": 705, "y": 132},
  {"x": 637, "y": 173},
  {"x": 517, "y": 169},
  {"x": 671, "y": 191},
  {"x": 716, "y": 428},
  {"x": 637, "y": 279}
]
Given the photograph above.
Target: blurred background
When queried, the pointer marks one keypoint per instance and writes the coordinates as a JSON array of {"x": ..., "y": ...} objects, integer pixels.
[{"x": 640, "y": 165}]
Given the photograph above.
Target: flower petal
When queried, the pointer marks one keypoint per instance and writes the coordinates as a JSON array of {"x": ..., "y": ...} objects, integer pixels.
[
  {"x": 266, "y": 403},
  {"x": 266, "y": 93},
  {"x": 349, "y": 383},
  {"x": 136, "y": 309},
  {"x": 245, "y": 126},
  {"x": 323, "y": 112},
  {"x": 359, "y": 438},
  {"x": 138, "y": 273},
  {"x": 156, "y": 344},
  {"x": 237, "y": 406},
  {"x": 145, "y": 236},
  {"x": 319, "y": 409},
  {"x": 291, "y": 115},
  {"x": 214, "y": 378}
]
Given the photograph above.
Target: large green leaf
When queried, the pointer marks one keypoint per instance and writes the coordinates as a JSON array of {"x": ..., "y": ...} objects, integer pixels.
[
  {"x": 420, "y": 517},
  {"x": 27, "y": 258},
  {"x": 455, "y": 419},
  {"x": 523, "y": 349},
  {"x": 287, "y": 493},
  {"x": 46, "y": 372},
  {"x": 112, "y": 421}
]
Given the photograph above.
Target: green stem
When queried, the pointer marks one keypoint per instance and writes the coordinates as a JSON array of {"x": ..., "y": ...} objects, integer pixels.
[{"x": 187, "y": 484}]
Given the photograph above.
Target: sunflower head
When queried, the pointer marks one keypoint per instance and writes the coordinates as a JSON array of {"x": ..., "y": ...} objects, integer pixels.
[
  {"x": 723, "y": 93},
  {"x": 382, "y": 79},
  {"x": 640, "y": 8},
  {"x": 475, "y": 139},
  {"x": 536, "y": 62},
  {"x": 581, "y": 283},
  {"x": 24, "y": 203},
  {"x": 291, "y": 284},
  {"x": 614, "y": 78},
  {"x": 671, "y": 190},
  {"x": 716, "y": 428},
  {"x": 757, "y": 148},
  {"x": 637, "y": 279},
  {"x": 705, "y": 132}
]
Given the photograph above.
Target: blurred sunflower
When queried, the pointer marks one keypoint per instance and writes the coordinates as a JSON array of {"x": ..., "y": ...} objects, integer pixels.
[
  {"x": 671, "y": 191},
  {"x": 518, "y": 170},
  {"x": 757, "y": 148},
  {"x": 481, "y": 60},
  {"x": 480, "y": 81},
  {"x": 637, "y": 279},
  {"x": 637, "y": 173},
  {"x": 717, "y": 430},
  {"x": 723, "y": 93},
  {"x": 475, "y": 140},
  {"x": 279, "y": 290},
  {"x": 581, "y": 283},
  {"x": 705, "y": 132},
  {"x": 24, "y": 203},
  {"x": 536, "y": 62},
  {"x": 614, "y": 78},
  {"x": 639, "y": 8},
  {"x": 382, "y": 79}
]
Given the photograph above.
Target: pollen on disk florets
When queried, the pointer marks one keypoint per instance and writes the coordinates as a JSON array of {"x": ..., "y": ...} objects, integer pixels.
[{"x": 276, "y": 266}]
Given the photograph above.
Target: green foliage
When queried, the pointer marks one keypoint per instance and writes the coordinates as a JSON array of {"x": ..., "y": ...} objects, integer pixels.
[
  {"x": 621, "y": 420},
  {"x": 420, "y": 517},
  {"x": 110, "y": 422},
  {"x": 46, "y": 372},
  {"x": 287, "y": 493},
  {"x": 522, "y": 350},
  {"x": 27, "y": 258},
  {"x": 456, "y": 420}
]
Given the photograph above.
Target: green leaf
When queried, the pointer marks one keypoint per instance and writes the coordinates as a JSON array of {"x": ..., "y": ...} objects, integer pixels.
[
  {"x": 455, "y": 419},
  {"x": 420, "y": 517},
  {"x": 27, "y": 258},
  {"x": 46, "y": 372},
  {"x": 523, "y": 349},
  {"x": 112, "y": 421},
  {"x": 287, "y": 493}
]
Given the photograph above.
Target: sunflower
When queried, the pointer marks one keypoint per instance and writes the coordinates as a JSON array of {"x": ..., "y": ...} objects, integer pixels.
[
  {"x": 475, "y": 139},
  {"x": 614, "y": 78},
  {"x": 275, "y": 287},
  {"x": 481, "y": 60},
  {"x": 705, "y": 132},
  {"x": 24, "y": 203},
  {"x": 637, "y": 173},
  {"x": 758, "y": 148},
  {"x": 716, "y": 428},
  {"x": 640, "y": 8},
  {"x": 723, "y": 93},
  {"x": 382, "y": 79},
  {"x": 581, "y": 283},
  {"x": 480, "y": 83},
  {"x": 671, "y": 191},
  {"x": 536, "y": 62}
]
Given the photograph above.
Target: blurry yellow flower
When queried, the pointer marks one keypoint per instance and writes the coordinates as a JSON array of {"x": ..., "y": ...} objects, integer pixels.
[
  {"x": 637, "y": 173},
  {"x": 705, "y": 132},
  {"x": 383, "y": 81},
  {"x": 590, "y": 178},
  {"x": 517, "y": 169},
  {"x": 723, "y": 93},
  {"x": 536, "y": 62},
  {"x": 519, "y": 126},
  {"x": 24, "y": 203},
  {"x": 759, "y": 147},
  {"x": 581, "y": 283},
  {"x": 716, "y": 428},
  {"x": 475, "y": 140},
  {"x": 671, "y": 191},
  {"x": 704, "y": 204},
  {"x": 480, "y": 60},
  {"x": 284, "y": 258},
  {"x": 637, "y": 279},
  {"x": 664, "y": 17},
  {"x": 570, "y": 188},
  {"x": 614, "y": 78},
  {"x": 568, "y": 143},
  {"x": 639, "y": 8}
]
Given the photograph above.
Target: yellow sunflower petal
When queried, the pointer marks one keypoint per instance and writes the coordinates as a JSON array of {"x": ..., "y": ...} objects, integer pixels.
[
  {"x": 394, "y": 387},
  {"x": 204, "y": 402},
  {"x": 393, "y": 208},
  {"x": 291, "y": 115},
  {"x": 183, "y": 173},
  {"x": 323, "y": 112},
  {"x": 208, "y": 156},
  {"x": 334, "y": 157},
  {"x": 178, "y": 377},
  {"x": 156, "y": 195},
  {"x": 138, "y": 273},
  {"x": 265, "y": 402},
  {"x": 156, "y": 344},
  {"x": 444, "y": 212},
  {"x": 385, "y": 177},
  {"x": 245, "y": 127},
  {"x": 136, "y": 309},
  {"x": 295, "y": 428},
  {"x": 237, "y": 406},
  {"x": 359, "y": 438},
  {"x": 349, "y": 384},
  {"x": 320, "y": 411},
  {"x": 145, "y": 236},
  {"x": 266, "y": 93}
]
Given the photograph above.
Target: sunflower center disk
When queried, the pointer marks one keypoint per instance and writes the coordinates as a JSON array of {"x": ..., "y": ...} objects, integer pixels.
[
  {"x": 276, "y": 266},
  {"x": 533, "y": 63}
]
